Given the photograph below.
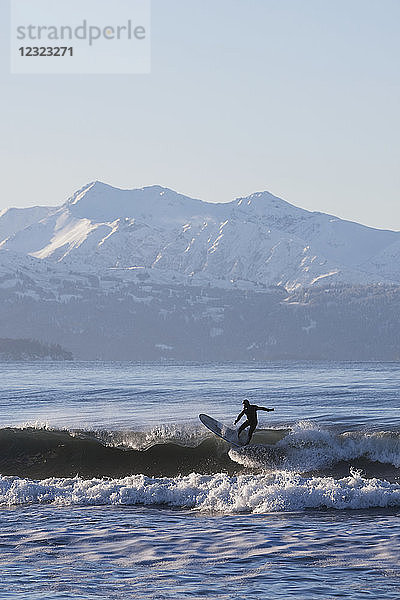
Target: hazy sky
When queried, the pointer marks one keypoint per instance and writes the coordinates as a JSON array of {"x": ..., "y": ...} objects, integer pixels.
[{"x": 298, "y": 97}]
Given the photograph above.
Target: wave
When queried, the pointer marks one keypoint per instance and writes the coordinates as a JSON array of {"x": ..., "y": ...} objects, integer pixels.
[
  {"x": 40, "y": 453},
  {"x": 178, "y": 450},
  {"x": 283, "y": 491}
]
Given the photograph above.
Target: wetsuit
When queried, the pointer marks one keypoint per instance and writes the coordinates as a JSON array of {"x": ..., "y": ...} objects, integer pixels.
[{"x": 250, "y": 410}]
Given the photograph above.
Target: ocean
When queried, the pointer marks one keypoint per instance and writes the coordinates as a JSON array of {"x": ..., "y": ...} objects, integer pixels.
[{"x": 111, "y": 487}]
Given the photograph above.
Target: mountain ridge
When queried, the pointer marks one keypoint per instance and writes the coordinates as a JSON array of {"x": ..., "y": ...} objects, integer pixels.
[{"x": 259, "y": 238}]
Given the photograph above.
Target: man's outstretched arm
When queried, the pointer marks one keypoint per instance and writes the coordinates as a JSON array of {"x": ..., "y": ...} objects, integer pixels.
[
  {"x": 266, "y": 409},
  {"x": 239, "y": 416}
]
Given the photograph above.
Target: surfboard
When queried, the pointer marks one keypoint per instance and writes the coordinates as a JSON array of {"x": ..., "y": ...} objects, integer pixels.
[
  {"x": 221, "y": 430},
  {"x": 265, "y": 437}
]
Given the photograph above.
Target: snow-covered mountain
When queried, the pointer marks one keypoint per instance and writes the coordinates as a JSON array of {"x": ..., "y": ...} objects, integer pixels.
[{"x": 259, "y": 239}]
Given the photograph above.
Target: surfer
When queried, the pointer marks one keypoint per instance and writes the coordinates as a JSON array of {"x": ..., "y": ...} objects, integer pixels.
[{"x": 250, "y": 410}]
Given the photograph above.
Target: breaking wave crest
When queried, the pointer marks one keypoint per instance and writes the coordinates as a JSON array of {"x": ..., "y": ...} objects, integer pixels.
[{"x": 309, "y": 447}]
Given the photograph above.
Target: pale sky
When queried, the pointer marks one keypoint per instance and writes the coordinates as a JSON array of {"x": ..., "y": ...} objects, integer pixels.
[{"x": 298, "y": 97}]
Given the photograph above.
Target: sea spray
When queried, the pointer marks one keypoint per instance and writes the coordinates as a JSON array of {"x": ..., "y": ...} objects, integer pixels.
[{"x": 310, "y": 447}]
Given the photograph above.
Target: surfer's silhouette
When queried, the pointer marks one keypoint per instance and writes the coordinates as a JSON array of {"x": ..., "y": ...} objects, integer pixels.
[{"x": 250, "y": 410}]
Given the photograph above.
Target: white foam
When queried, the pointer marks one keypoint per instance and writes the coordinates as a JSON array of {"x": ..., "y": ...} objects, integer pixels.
[{"x": 283, "y": 491}]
